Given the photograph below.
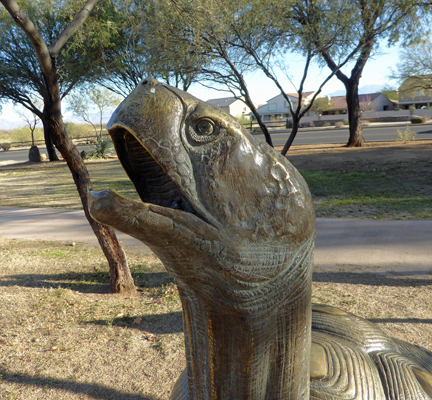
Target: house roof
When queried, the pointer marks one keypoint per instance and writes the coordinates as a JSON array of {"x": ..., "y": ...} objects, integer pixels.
[
  {"x": 339, "y": 102},
  {"x": 223, "y": 102},
  {"x": 295, "y": 95}
]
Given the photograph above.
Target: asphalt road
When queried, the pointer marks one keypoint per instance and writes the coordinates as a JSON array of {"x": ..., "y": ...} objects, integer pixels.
[
  {"x": 304, "y": 136},
  {"x": 336, "y": 135},
  {"x": 21, "y": 154}
]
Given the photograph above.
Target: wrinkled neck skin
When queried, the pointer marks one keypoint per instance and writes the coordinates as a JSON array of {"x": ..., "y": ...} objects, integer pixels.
[{"x": 250, "y": 344}]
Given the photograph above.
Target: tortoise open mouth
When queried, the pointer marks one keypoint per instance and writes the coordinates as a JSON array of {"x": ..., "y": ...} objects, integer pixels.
[{"x": 151, "y": 181}]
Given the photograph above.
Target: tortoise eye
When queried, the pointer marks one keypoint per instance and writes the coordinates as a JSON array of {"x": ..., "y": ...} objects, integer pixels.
[
  {"x": 204, "y": 130},
  {"x": 204, "y": 127}
]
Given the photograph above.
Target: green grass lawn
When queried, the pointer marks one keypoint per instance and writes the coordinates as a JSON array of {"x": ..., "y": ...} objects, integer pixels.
[
  {"x": 370, "y": 194},
  {"x": 392, "y": 192}
]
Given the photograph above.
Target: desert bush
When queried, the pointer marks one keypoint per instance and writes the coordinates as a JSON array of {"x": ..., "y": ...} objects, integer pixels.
[
  {"x": 243, "y": 119},
  {"x": 417, "y": 119},
  {"x": 5, "y": 146},
  {"x": 327, "y": 123},
  {"x": 364, "y": 122},
  {"x": 23, "y": 134},
  {"x": 406, "y": 135},
  {"x": 77, "y": 130},
  {"x": 306, "y": 125},
  {"x": 101, "y": 150},
  {"x": 4, "y": 136},
  {"x": 339, "y": 124}
]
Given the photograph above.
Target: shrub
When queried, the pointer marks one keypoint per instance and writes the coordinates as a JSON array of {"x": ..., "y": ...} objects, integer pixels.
[
  {"x": 327, "y": 123},
  {"x": 406, "y": 135},
  {"x": 101, "y": 150},
  {"x": 416, "y": 119},
  {"x": 364, "y": 122},
  {"x": 243, "y": 119},
  {"x": 23, "y": 134},
  {"x": 339, "y": 124},
  {"x": 5, "y": 146},
  {"x": 306, "y": 125},
  {"x": 77, "y": 130}
]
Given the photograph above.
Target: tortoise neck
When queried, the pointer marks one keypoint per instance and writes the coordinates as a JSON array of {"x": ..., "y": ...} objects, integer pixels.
[{"x": 249, "y": 356}]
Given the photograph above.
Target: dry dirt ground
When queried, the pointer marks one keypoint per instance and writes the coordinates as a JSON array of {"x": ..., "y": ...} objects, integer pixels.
[{"x": 64, "y": 336}]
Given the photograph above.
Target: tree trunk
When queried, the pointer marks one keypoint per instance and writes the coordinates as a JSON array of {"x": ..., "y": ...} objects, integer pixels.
[
  {"x": 293, "y": 134},
  {"x": 121, "y": 278},
  {"x": 52, "y": 155},
  {"x": 354, "y": 113},
  {"x": 257, "y": 116}
]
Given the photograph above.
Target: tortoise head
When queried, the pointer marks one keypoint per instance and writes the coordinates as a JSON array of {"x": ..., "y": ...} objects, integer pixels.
[{"x": 210, "y": 191}]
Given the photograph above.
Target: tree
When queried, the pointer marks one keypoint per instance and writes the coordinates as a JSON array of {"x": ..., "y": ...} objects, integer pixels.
[
  {"x": 81, "y": 104},
  {"x": 205, "y": 29},
  {"x": 262, "y": 32},
  {"x": 242, "y": 36},
  {"x": 322, "y": 104},
  {"x": 366, "y": 104},
  {"x": 390, "y": 92},
  {"x": 414, "y": 70},
  {"x": 121, "y": 279},
  {"x": 140, "y": 49},
  {"x": 368, "y": 22},
  {"x": 31, "y": 119}
]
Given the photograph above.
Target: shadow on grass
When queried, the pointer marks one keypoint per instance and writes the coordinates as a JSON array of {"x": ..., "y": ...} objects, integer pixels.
[
  {"x": 159, "y": 324},
  {"x": 88, "y": 389},
  {"x": 373, "y": 279},
  {"x": 86, "y": 282},
  {"x": 401, "y": 320}
]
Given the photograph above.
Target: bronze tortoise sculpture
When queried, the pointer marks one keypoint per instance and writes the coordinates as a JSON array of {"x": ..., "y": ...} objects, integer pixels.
[{"x": 233, "y": 222}]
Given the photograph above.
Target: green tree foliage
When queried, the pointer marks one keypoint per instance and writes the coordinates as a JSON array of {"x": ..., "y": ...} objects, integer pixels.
[
  {"x": 322, "y": 104},
  {"x": 367, "y": 23},
  {"x": 21, "y": 80},
  {"x": 414, "y": 70},
  {"x": 76, "y": 130},
  {"x": 204, "y": 32},
  {"x": 390, "y": 92},
  {"x": 45, "y": 65},
  {"x": 84, "y": 103},
  {"x": 268, "y": 38},
  {"x": 141, "y": 49}
]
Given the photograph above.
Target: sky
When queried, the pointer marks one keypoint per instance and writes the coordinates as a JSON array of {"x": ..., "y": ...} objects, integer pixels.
[{"x": 376, "y": 72}]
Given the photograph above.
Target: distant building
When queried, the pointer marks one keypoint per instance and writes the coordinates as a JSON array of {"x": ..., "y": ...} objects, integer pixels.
[
  {"x": 368, "y": 102},
  {"x": 278, "y": 108},
  {"x": 412, "y": 95},
  {"x": 232, "y": 106}
]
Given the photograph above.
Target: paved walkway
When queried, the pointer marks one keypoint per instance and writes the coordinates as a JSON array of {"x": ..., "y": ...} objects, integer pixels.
[{"x": 341, "y": 244}]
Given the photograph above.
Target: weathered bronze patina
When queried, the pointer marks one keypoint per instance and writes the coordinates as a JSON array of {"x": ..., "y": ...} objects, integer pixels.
[{"x": 233, "y": 222}]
